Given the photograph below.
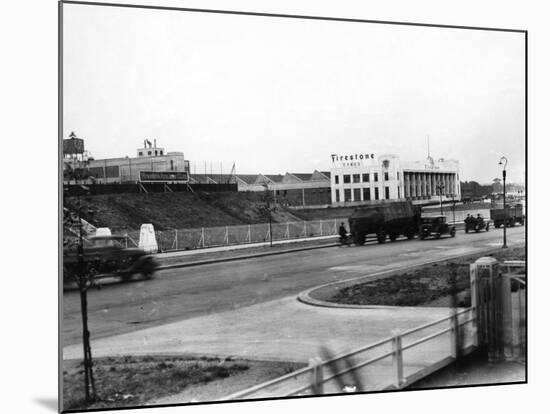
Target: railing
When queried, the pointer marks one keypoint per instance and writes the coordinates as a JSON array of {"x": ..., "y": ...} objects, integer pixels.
[
  {"x": 369, "y": 367},
  {"x": 197, "y": 238}
]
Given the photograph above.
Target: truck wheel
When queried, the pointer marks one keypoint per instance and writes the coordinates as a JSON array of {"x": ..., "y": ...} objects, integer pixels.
[
  {"x": 437, "y": 235},
  {"x": 381, "y": 236},
  {"x": 453, "y": 232},
  {"x": 466, "y": 229},
  {"x": 393, "y": 236},
  {"x": 409, "y": 234}
]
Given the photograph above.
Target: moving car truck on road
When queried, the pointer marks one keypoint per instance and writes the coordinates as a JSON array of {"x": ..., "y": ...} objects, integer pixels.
[
  {"x": 514, "y": 214},
  {"x": 386, "y": 219}
]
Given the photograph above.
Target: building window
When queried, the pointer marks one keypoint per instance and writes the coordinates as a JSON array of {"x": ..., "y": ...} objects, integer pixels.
[
  {"x": 397, "y": 175},
  {"x": 336, "y": 180},
  {"x": 337, "y": 196},
  {"x": 398, "y": 192},
  {"x": 375, "y": 177},
  {"x": 148, "y": 152},
  {"x": 160, "y": 152},
  {"x": 347, "y": 194},
  {"x": 366, "y": 194},
  {"x": 366, "y": 178},
  {"x": 356, "y": 178},
  {"x": 386, "y": 176},
  {"x": 156, "y": 152},
  {"x": 387, "y": 192},
  {"x": 376, "y": 197},
  {"x": 346, "y": 179},
  {"x": 356, "y": 194},
  {"x": 140, "y": 153},
  {"x": 172, "y": 165}
]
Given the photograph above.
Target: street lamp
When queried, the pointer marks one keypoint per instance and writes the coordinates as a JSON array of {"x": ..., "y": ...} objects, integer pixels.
[
  {"x": 440, "y": 188},
  {"x": 268, "y": 209},
  {"x": 504, "y": 162}
]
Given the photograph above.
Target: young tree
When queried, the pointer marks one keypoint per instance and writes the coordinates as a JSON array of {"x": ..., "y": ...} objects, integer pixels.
[{"x": 82, "y": 272}]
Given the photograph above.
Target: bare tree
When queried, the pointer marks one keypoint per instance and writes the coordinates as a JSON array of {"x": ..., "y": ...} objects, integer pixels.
[{"x": 82, "y": 273}]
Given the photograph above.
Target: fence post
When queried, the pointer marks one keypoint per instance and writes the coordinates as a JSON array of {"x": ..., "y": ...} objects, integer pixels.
[
  {"x": 397, "y": 358},
  {"x": 226, "y": 235},
  {"x": 321, "y": 226},
  {"x": 202, "y": 237},
  {"x": 287, "y": 231},
  {"x": 248, "y": 237},
  {"x": 334, "y": 226},
  {"x": 305, "y": 228},
  {"x": 316, "y": 375},
  {"x": 126, "y": 240},
  {"x": 176, "y": 239},
  {"x": 455, "y": 344}
]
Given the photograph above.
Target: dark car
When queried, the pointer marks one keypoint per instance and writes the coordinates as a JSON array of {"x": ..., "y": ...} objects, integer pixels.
[
  {"x": 108, "y": 256},
  {"x": 475, "y": 224},
  {"x": 435, "y": 226}
]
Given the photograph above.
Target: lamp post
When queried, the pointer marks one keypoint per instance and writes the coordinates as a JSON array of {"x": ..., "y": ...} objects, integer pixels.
[
  {"x": 504, "y": 161},
  {"x": 440, "y": 187},
  {"x": 268, "y": 209}
]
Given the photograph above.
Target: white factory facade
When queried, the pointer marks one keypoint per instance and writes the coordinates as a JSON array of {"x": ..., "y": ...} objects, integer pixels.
[{"x": 361, "y": 178}]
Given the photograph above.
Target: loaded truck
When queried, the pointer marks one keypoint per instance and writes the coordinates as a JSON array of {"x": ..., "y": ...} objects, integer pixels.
[
  {"x": 386, "y": 219},
  {"x": 514, "y": 214}
]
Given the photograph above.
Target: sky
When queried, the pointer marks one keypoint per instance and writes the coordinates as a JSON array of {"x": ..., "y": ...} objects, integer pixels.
[{"x": 276, "y": 95}]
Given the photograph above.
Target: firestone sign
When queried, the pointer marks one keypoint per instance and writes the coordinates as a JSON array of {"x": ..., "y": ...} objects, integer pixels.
[{"x": 352, "y": 157}]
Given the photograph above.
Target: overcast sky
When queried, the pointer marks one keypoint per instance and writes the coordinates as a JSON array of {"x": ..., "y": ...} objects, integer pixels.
[{"x": 276, "y": 95}]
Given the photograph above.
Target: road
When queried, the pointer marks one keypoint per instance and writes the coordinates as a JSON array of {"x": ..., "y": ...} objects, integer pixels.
[{"x": 180, "y": 294}]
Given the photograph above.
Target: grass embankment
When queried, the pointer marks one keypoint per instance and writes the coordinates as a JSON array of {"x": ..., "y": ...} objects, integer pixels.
[
  {"x": 134, "y": 380},
  {"x": 430, "y": 285},
  {"x": 176, "y": 210}
]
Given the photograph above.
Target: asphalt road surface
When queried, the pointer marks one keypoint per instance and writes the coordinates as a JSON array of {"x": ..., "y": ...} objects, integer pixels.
[{"x": 179, "y": 294}]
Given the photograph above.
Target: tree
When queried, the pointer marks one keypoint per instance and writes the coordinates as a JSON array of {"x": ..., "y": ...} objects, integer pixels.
[{"x": 83, "y": 275}]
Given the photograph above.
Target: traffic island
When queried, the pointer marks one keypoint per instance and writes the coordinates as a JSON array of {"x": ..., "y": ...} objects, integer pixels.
[{"x": 443, "y": 283}]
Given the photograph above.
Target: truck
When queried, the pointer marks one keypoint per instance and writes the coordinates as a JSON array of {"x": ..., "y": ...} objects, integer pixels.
[
  {"x": 514, "y": 214},
  {"x": 385, "y": 219}
]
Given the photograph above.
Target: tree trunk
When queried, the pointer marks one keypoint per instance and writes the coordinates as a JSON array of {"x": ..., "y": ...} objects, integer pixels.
[{"x": 89, "y": 382}]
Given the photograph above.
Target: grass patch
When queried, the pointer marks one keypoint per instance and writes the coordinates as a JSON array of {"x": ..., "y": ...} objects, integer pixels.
[
  {"x": 130, "y": 381},
  {"x": 423, "y": 286}
]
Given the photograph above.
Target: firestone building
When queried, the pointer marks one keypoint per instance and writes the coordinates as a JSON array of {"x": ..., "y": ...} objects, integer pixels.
[{"x": 367, "y": 178}]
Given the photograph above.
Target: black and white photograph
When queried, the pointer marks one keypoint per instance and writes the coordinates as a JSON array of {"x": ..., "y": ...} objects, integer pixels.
[
  {"x": 270, "y": 206},
  {"x": 262, "y": 206}
]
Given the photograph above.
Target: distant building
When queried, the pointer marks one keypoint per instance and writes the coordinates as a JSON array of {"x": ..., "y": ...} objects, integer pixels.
[
  {"x": 366, "y": 178},
  {"x": 150, "y": 159}
]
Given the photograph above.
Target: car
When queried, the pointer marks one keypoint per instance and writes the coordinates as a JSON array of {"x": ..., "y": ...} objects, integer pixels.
[
  {"x": 435, "y": 226},
  {"x": 108, "y": 255},
  {"x": 475, "y": 224}
]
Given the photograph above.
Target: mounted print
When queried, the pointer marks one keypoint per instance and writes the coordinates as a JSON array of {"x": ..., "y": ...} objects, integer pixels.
[{"x": 262, "y": 206}]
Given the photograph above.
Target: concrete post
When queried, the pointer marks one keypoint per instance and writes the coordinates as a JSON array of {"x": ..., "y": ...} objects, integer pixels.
[
  {"x": 485, "y": 282},
  {"x": 316, "y": 375},
  {"x": 507, "y": 319},
  {"x": 397, "y": 358}
]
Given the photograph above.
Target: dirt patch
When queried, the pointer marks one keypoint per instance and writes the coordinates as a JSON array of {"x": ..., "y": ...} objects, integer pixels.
[
  {"x": 137, "y": 380},
  {"x": 435, "y": 285}
]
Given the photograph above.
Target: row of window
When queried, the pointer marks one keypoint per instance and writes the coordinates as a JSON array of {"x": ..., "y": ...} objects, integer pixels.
[
  {"x": 366, "y": 194},
  {"x": 358, "y": 178},
  {"x": 157, "y": 152}
]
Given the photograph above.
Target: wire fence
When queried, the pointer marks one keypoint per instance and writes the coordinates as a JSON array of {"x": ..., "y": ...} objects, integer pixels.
[{"x": 198, "y": 238}]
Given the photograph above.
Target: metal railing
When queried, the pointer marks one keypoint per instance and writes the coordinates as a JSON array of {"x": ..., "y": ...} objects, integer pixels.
[
  {"x": 198, "y": 238},
  {"x": 325, "y": 376}
]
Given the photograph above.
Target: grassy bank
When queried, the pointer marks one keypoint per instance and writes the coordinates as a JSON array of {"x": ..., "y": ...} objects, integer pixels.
[{"x": 431, "y": 285}]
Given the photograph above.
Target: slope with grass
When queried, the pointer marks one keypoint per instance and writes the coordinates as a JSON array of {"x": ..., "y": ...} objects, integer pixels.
[{"x": 176, "y": 210}]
